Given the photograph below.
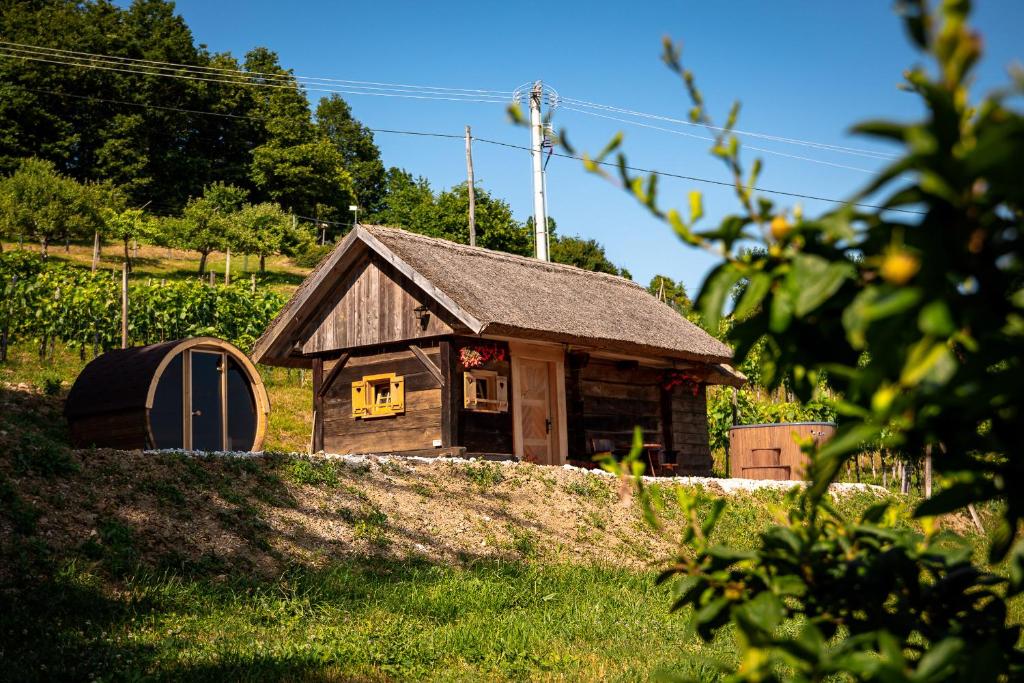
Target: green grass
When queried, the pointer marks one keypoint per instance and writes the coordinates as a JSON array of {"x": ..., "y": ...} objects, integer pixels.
[
  {"x": 485, "y": 475},
  {"x": 359, "y": 620}
]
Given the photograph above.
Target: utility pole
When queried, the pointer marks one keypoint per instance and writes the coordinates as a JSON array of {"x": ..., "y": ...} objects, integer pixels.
[
  {"x": 472, "y": 189},
  {"x": 540, "y": 214}
]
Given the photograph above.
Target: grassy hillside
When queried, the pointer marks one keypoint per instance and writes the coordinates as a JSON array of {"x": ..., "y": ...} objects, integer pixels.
[{"x": 124, "y": 564}]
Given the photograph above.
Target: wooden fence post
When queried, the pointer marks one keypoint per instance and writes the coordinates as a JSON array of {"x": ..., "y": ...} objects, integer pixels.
[
  {"x": 124, "y": 305},
  {"x": 928, "y": 471}
]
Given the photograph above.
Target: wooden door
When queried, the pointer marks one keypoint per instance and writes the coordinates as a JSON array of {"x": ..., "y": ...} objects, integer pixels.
[
  {"x": 535, "y": 411},
  {"x": 206, "y": 401}
]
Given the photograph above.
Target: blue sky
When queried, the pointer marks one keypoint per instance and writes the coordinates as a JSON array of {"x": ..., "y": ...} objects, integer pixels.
[{"x": 805, "y": 70}]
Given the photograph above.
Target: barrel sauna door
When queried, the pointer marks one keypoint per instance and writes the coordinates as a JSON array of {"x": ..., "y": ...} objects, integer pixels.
[
  {"x": 206, "y": 398},
  {"x": 535, "y": 412}
]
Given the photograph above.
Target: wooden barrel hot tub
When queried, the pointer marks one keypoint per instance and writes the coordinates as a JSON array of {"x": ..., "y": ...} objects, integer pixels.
[
  {"x": 772, "y": 451},
  {"x": 198, "y": 394}
]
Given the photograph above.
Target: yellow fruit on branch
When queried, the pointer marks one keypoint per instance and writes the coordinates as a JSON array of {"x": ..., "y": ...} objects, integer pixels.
[
  {"x": 780, "y": 227},
  {"x": 900, "y": 266}
]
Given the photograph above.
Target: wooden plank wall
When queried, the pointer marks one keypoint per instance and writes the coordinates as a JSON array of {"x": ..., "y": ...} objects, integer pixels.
[
  {"x": 372, "y": 305},
  {"x": 689, "y": 429},
  {"x": 607, "y": 400},
  {"x": 125, "y": 429},
  {"x": 416, "y": 429},
  {"x": 482, "y": 432}
]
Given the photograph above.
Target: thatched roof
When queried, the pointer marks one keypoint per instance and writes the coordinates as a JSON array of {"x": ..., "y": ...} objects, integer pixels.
[{"x": 495, "y": 293}]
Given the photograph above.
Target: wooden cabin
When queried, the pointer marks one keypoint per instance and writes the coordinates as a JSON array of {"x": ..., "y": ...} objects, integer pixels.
[
  {"x": 198, "y": 394},
  {"x": 424, "y": 346}
]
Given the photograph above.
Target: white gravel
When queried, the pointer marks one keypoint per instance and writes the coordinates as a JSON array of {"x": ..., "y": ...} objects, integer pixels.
[{"x": 731, "y": 485}]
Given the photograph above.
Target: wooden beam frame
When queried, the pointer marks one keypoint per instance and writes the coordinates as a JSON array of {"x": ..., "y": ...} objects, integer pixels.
[
  {"x": 450, "y": 404},
  {"x": 317, "y": 442},
  {"x": 428, "y": 364},
  {"x": 327, "y": 381}
]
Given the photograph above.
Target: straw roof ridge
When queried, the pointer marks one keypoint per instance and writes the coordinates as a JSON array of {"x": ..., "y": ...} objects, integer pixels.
[{"x": 530, "y": 261}]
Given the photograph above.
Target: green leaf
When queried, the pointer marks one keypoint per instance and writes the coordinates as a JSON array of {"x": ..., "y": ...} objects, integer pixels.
[
  {"x": 928, "y": 360},
  {"x": 876, "y": 303},
  {"x": 936, "y": 320},
  {"x": 882, "y": 129},
  {"x": 696, "y": 206},
  {"x": 813, "y": 279},
  {"x": 757, "y": 287},
  {"x": 956, "y": 497},
  {"x": 830, "y": 457},
  {"x": 715, "y": 292},
  {"x": 937, "y": 663},
  {"x": 716, "y": 511},
  {"x": 874, "y": 514}
]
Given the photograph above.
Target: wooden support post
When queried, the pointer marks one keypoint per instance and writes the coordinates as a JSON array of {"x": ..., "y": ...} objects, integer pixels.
[
  {"x": 975, "y": 518},
  {"x": 928, "y": 471},
  {"x": 7, "y": 323},
  {"x": 124, "y": 305},
  {"x": 667, "y": 432},
  {"x": 317, "y": 443},
  {"x": 449, "y": 396},
  {"x": 95, "y": 249},
  {"x": 471, "y": 188},
  {"x": 227, "y": 267}
]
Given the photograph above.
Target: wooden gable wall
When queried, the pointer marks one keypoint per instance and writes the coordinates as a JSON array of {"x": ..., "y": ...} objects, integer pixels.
[{"x": 373, "y": 304}]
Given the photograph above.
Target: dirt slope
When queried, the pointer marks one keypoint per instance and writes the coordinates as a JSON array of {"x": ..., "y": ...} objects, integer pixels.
[{"x": 262, "y": 513}]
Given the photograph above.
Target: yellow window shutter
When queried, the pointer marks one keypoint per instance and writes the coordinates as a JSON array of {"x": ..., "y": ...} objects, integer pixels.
[
  {"x": 398, "y": 395},
  {"x": 468, "y": 390},
  {"x": 359, "y": 400},
  {"x": 502, "y": 393}
]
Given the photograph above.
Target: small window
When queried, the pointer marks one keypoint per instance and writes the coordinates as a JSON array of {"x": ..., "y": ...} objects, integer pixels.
[
  {"x": 485, "y": 391},
  {"x": 378, "y": 396}
]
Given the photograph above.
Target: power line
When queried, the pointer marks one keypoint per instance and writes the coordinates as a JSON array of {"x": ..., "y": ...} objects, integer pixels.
[
  {"x": 225, "y": 72},
  {"x": 509, "y": 145},
  {"x": 218, "y": 74},
  {"x": 774, "y": 138},
  {"x": 666, "y": 174},
  {"x": 710, "y": 139},
  {"x": 453, "y": 97}
]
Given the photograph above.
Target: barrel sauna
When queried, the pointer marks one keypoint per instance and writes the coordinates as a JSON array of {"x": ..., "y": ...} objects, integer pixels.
[
  {"x": 198, "y": 394},
  {"x": 772, "y": 451}
]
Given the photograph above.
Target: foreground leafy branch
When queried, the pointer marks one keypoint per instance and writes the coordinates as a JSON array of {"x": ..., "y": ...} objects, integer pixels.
[{"x": 910, "y": 300}]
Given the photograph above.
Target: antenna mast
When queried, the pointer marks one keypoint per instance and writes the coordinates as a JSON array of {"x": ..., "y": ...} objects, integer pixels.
[{"x": 540, "y": 214}]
